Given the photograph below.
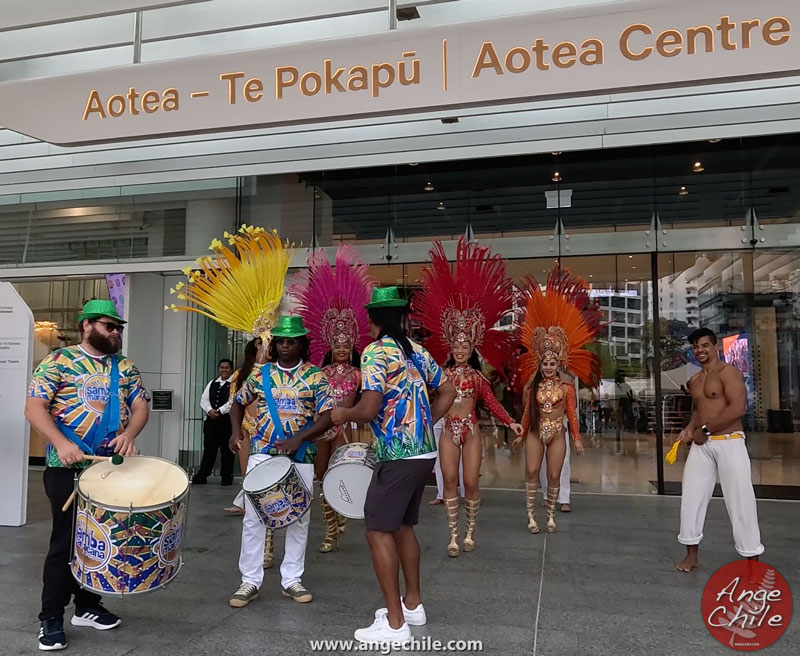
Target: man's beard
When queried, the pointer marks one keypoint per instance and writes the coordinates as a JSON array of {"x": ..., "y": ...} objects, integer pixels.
[{"x": 105, "y": 344}]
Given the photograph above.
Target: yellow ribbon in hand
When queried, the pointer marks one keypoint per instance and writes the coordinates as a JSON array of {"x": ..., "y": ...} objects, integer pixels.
[{"x": 672, "y": 455}]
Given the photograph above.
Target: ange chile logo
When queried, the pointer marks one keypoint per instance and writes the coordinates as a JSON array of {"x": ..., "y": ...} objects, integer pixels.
[{"x": 747, "y": 605}]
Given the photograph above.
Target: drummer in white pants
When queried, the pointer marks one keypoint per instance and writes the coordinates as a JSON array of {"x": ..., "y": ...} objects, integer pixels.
[
  {"x": 437, "y": 469},
  {"x": 563, "y": 493},
  {"x": 289, "y": 393},
  {"x": 717, "y": 448}
]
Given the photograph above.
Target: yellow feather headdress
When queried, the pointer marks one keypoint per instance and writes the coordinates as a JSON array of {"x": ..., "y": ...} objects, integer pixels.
[{"x": 241, "y": 290}]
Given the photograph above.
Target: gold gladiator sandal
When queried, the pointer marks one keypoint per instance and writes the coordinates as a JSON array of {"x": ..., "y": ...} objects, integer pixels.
[
  {"x": 530, "y": 504},
  {"x": 269, "y": 548},
  {"x": 331, "y": 528},
  {"x": 472, "y": 506},
  {"x": 451, "y": 508},
  {"x": 552, "y": 498},
  {"x": 341, "y": 523}
]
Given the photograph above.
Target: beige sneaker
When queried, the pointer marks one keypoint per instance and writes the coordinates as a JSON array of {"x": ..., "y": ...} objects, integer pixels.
[
  {"x": 246, "y": 593},
  {"x": 297, "y": 592}
]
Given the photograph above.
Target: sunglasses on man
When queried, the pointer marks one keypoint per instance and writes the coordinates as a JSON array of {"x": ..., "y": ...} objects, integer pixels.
[{"x": 110, "y": 326}]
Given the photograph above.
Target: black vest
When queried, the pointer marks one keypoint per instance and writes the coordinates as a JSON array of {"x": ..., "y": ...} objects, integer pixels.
[{"x": 219, "y": 393}]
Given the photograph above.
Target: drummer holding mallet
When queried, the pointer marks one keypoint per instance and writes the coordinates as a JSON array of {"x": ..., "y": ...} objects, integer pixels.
[
  {"x": 85, "y": 400},
  {"x": 289, "y": 393}
]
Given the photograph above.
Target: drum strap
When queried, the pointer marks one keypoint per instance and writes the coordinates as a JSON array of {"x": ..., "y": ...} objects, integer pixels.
[
  {"x": 107, "y": 427},
  {"x": 278, "y": 432}
]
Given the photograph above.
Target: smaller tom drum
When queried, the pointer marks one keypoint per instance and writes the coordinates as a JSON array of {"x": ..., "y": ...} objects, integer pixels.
[
  {"x": 277, "y": 492},
  {"x": 347, "y": 480}
]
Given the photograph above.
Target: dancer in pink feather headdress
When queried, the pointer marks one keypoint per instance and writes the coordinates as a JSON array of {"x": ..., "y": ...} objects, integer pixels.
[{"x": 331, "y": 303}]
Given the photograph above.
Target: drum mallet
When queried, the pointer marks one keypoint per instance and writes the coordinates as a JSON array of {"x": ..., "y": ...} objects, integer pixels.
[{"x": 116, "y": 459}]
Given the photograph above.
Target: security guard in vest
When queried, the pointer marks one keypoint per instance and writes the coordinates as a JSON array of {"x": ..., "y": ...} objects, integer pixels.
[{"x": 216, "y": 404}]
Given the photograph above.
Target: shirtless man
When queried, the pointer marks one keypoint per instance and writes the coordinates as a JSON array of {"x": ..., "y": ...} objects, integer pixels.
[{"x": 715, "y": 429}]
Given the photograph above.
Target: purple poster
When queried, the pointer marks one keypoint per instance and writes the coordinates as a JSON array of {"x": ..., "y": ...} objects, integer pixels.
[{"x": 116, "y": 291}]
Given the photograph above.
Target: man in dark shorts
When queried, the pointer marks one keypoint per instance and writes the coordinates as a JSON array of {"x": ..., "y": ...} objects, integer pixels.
[{"x": 396, "y": 374}]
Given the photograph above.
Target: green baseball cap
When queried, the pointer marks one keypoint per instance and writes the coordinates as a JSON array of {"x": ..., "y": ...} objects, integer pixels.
[
  {"x": 99, "y": 308},
  {"x": 385, "y": 297},
  {"x": 289, "y": 327}
]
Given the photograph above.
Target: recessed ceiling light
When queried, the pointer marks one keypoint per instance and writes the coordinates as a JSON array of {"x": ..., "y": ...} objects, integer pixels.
[
  {"x": 440, "y": 206},
  {"x": 698, "y": 167},
  {"x": 714, "y": 140},
  {"x": 413, "y": 163},
  {"x": 556, "y": 153},
  {"x": 683, "y": 191},
  {"x": 633, "y": 267},
  {"x": 630, "y": 257},
  {"x": 429, "y": 187},
  {"x": 556, "y": 177}
]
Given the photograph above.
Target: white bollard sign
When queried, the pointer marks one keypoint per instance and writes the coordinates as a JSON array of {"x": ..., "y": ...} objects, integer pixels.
[{"x": 16, "y": 360}]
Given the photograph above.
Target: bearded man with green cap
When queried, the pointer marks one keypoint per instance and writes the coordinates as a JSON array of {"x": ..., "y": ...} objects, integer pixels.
[
  {"x": 85, "y": 400},
  {"x": 294, "y": 401}
]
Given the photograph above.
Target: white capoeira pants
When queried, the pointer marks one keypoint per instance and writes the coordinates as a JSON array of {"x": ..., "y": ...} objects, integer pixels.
[
  {"x": 251, "y": 556},
  {"x": 729, "y": 460},
  {"x": 563, "y": 492},
  {"x": 438, "y": 427}
]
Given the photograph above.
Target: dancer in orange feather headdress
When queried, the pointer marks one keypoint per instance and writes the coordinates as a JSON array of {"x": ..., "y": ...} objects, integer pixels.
[
  {"x": 558, "y": 324},
  {"x": 459, "y": 309}
]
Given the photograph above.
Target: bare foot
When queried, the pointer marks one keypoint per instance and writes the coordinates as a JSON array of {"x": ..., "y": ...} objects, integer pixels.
[
  {"x": 688, "y": 564},
  {"x": 435, "y": 502},
  {"x": 565, "y": 507}
]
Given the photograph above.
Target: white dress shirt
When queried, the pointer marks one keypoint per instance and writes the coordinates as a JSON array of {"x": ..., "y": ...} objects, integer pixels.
[{"x": 205, "y": 400}]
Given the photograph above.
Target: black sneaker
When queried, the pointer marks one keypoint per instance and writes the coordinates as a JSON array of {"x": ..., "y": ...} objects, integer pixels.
[
  {"x": 97, "y": 617},
  {"x": 199, "y": 480},
  {"x": 51, "y": 634}
]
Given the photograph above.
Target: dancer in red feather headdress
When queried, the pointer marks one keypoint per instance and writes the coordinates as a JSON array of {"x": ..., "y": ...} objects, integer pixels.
[
  {"x": 458, "y": 309},
  {"x": 558, "y": 324},
  {"x": 331, "y": 303}
]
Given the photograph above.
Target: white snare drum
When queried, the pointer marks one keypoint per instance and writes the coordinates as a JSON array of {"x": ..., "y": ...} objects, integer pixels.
[
  {"x": 347, "y": 480},
  {"x": 277, "y": 492},
  {"x": 129, "y": 527}
]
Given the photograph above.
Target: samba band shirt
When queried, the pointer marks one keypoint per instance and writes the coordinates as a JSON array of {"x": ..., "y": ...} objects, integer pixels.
[
  {"x": 300, "y": 395},
  {"x": 76, "y": 385},
  {"x": 403, "y": 427}
]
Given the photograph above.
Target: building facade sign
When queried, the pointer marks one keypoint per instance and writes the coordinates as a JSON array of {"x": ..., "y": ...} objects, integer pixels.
[{"x": 471, "y": 64}]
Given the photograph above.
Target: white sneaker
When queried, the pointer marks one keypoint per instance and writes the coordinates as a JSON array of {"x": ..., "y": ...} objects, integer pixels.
[
  {"x": 414, "y": 617},
  {"x": 379, "y": 632}
]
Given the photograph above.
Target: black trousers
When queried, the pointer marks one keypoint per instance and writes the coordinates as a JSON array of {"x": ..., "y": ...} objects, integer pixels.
[
  {"x": 216, "y": 434},
  {"x": 59, "y": 584}
]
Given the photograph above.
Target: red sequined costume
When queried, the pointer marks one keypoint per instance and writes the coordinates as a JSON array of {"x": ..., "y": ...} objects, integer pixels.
[
  {"x": 472, "y": 384},
  {"x": 459, "y": 308}
]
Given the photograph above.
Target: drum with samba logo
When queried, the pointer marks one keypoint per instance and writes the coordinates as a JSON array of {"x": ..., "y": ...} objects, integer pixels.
[
  {"x": 130, "y": 524},
  {"x": 347, "y": 480},
  {"x": 277, "y": 492}
]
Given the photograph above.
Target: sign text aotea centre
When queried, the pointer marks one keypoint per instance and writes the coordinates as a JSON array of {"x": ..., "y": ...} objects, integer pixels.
[{"x": 480, "y": 63}]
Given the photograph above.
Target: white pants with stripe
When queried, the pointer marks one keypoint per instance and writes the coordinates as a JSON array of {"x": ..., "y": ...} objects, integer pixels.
[
  {"x": 251, "y": 556},
  {"x": 438, "y": 427},
  {"x": 727, "y": 459}
]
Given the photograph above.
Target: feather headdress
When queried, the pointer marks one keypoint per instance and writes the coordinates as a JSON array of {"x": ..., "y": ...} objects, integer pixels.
[
  {"x": 331, "y": 302},
  {"x": 241, "y": 290},
  {"x": 463, "y": 305},
  {"x": 558, "y": 323}
]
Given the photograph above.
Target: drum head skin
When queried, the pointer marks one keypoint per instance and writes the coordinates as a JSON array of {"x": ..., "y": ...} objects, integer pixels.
[
  {"x": 347, "y": 480},
  {"x": 140, "y": 481},
  {"x": 266, "y": 474}
]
